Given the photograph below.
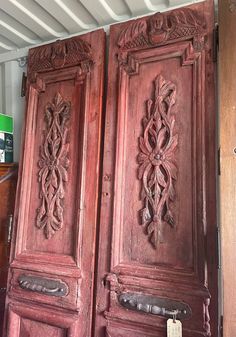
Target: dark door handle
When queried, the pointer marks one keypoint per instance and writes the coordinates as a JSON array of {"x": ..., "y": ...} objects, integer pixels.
[
  {"x": 45, "y": 286},
  {"x": 155, "y": 305}
]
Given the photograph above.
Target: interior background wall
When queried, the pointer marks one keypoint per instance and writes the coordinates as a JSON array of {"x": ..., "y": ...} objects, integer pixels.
[
  {"x": 11, "y": 102},
  {"x": 227, "y": 97}
]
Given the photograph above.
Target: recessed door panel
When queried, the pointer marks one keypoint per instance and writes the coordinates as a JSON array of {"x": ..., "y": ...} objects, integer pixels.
[
  {"x": 67, "y": 178},
  {"x": 33, "y": 321},
  {"x": 176, "y": 162}
]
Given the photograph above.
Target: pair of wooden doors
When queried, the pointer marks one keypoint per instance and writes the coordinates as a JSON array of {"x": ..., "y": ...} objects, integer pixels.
[{"x": 116, "y": 251}]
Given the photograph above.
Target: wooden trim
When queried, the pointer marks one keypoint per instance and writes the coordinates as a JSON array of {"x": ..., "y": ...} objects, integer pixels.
[{"x": 227, "y": 94}]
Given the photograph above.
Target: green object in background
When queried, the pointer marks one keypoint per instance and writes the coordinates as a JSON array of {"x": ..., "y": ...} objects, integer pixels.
[
  {"x": 8, "y": 148},
  {"x": 6, "y": 123},
  {"x": 6, "y": 139}
]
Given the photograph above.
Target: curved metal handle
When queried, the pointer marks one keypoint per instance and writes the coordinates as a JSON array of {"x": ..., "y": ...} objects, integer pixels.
[
  {"x": 37, "y": 287},
  {"x": 44, "y": 286},
  {"x": 154, "y": 305}
]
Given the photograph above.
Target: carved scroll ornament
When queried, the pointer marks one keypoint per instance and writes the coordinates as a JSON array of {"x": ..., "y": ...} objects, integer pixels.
[
  {"x": 157, "y": 168},
  {"x": 163, "y": 27},
  {"x": 53, "y": 165}
]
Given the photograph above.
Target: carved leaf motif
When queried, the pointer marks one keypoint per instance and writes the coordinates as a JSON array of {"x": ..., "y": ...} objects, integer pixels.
[
  {"x": 187, "y": 17},
  {"x": 53, "y": 164},
  {"x": 185, "y": 22},
  {"x": 135, "y": 33},
  {"x": 157, "y": 168}
]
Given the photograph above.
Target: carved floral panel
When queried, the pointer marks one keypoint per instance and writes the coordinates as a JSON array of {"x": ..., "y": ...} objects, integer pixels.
[
  {"x": 157, "y": 168},
  {"x": 53, "y": 163}
]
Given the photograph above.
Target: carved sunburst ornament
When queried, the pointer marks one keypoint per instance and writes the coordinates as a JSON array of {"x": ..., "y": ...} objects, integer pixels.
[
  {"x": 53, "y": 165},
  {"x": 157, "y": 168}
]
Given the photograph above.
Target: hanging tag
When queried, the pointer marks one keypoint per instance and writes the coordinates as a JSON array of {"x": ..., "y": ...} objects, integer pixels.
[{"x": 174, "y": 328}]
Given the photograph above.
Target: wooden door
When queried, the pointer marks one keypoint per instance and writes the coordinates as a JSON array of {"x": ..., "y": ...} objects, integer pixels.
[
  {"x": 157, "y": 251},
  {"x": 51, "y": 277}
]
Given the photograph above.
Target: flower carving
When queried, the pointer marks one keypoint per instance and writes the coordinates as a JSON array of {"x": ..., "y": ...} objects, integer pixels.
[
  {"x": 53, "y": 164},
  {"x": 157, "y": 168}
]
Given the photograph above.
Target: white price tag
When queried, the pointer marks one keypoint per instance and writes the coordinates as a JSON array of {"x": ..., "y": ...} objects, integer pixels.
[{"x": 174, "y": 328}]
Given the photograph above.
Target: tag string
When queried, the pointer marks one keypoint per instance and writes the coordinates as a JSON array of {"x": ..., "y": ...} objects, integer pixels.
[{"x": 174, "y": 316}]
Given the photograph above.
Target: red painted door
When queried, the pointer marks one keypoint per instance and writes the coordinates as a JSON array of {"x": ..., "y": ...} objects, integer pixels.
[
  {"x": 157, "y": 250},
  {"x": 50, "y": 287}
]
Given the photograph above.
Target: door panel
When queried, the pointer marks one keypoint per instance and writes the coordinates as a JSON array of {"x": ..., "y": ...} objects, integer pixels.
[
  {"x": 177, "y": 251},
  {"x": 33, "y": 321},
  {"x": 52, "y": 260},
  {"x": 158, "y": 195}
]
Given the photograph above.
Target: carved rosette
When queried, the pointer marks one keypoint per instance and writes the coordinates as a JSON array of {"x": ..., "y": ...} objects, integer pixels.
[
  {"x": 53, "y": 165},
  {"x": 157, "y": 168}
]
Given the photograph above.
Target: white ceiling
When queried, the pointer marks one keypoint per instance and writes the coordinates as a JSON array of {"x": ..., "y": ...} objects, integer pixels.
[{"x": 25, "y": 23}]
